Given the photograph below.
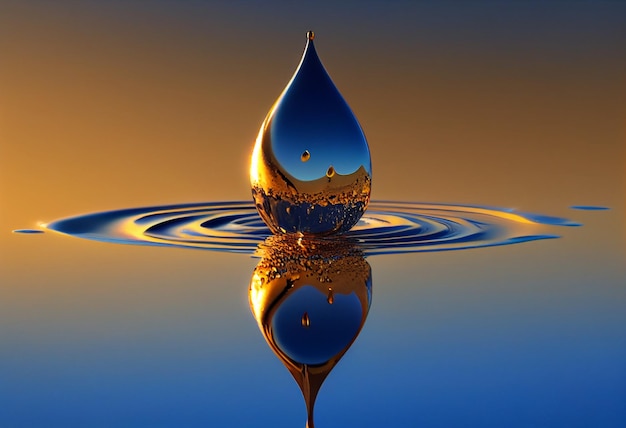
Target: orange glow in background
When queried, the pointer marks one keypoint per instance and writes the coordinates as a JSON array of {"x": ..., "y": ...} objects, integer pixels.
[{"x": 107, "y": 105}]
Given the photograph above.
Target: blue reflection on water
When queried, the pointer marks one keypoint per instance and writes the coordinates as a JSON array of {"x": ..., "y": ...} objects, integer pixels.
[{"x": 589, "y": 208}]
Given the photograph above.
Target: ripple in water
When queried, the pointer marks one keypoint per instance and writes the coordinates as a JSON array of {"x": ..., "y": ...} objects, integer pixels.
[
  {"x": 589, "y": 208},
  {"x": 386, "y": 228}
]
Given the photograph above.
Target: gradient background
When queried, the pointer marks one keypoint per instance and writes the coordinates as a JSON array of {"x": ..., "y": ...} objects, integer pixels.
[{"x": 116, "y": 104}]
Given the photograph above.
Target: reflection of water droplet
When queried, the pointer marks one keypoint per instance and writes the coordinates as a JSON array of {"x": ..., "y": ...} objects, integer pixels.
[
  {"x": 308, "y": 349},
  {"x": 311, "y": 116},
  {"x": 306, "y": 322}
]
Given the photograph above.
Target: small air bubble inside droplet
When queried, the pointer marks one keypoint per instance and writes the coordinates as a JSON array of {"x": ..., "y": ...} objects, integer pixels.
[
  {"x": 305, "y": 156},
  {"x": 330, "y": 172},
  {"x": 306, "y": 322}
]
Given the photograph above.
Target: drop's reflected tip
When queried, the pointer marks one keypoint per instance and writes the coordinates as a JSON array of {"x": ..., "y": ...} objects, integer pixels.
[{"x": 310, "y": 35}]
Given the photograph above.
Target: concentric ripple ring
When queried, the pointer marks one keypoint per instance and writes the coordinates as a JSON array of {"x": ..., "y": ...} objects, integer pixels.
[{"x": 387, "y": 227}]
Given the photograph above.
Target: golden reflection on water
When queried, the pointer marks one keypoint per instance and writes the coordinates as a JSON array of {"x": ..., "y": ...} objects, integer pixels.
[{"x": 310, "y": 299}]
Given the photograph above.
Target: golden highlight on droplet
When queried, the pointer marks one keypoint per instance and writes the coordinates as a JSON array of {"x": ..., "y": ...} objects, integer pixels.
[
  {"x": 310, "y": 35},
  {"x": 331, "y": 296},
  {"x": 330, "y": 172},
  {"x": 305, "y": 156}
]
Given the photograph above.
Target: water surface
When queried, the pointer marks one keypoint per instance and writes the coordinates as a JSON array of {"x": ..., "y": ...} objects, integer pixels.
[{"x": 388, "y": 227}]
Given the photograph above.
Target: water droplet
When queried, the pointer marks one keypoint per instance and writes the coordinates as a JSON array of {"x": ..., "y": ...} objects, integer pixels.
[
  {"x": 311, "y": 116},
  {"x": 331, "y": 296},
  {"x": 305, "y": 321},
  {"x": 310, "y": 35}
]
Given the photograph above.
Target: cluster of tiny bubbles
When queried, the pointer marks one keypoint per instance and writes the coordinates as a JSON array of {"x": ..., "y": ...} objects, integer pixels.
[{"x": 386, "y": 228}]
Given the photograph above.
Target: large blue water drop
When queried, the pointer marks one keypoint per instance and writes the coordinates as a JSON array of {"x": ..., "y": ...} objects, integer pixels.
[{"x": 311, "y": 167}]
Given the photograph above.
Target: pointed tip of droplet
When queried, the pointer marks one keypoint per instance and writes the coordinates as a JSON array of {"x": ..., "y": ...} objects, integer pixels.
[{"x": 310, "y": 35}]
